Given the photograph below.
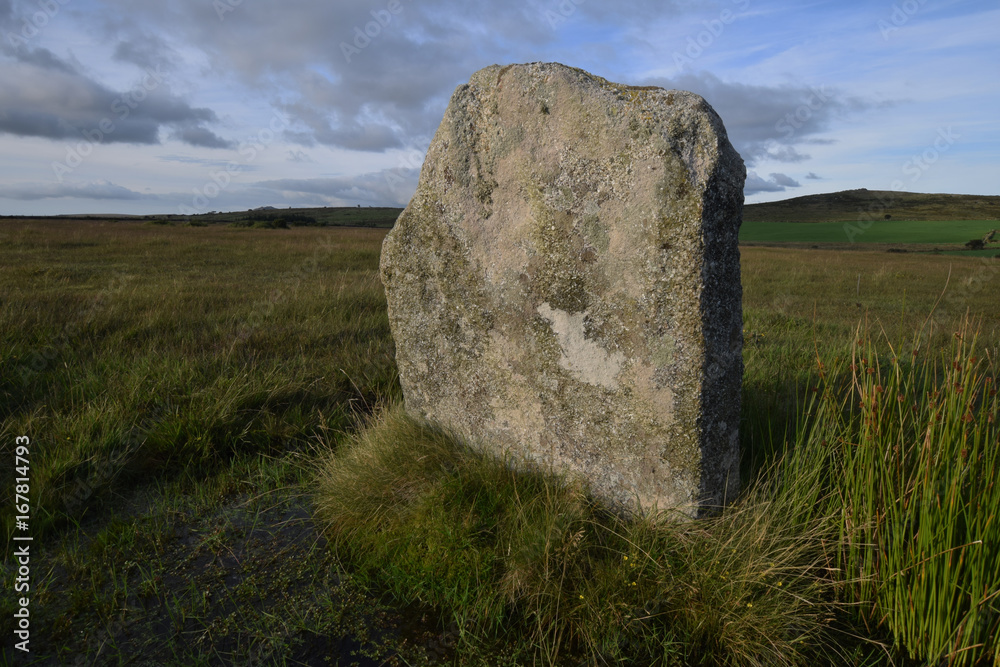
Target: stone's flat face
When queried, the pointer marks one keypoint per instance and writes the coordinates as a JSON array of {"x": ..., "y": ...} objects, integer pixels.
[{"x": 565, "y": 283}]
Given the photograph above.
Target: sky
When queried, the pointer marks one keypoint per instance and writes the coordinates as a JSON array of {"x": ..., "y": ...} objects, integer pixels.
[{"x": 190, "y": 106}]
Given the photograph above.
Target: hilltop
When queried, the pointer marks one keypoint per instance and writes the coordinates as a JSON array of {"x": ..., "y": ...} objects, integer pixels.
[
  {"x": 267, "y": 216},
  {"x": 848, "y": 205},
  {"x": 845, "y": 206},
  {"x": 327, "y": 216},
  {"x": 862, "y": 204}
]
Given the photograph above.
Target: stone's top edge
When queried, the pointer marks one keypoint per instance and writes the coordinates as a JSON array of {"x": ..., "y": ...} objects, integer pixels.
[
  {"x": 688, "y": 107},
  {"x": 564, "y": 283},
  {"x": 540, "y": 67},
  {"x": 492, "y": 77}
]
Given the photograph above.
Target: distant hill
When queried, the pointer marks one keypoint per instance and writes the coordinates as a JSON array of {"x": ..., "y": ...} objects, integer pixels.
[
  {"x": 268, "y": 216},
  {"x": 862, "y": 204},
  {"x": 845, "y": 206},
  {"x": 849, "y": 205},
  {"x": 383, "y": 217}
]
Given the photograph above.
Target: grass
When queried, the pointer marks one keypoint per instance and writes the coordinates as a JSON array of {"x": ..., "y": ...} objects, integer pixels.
[
  {"x": 152, "y": 347},
  {"x": 194, "y": 395},
  {"x": 170, "y": 380},
  {"x": 798, "y": 302},
  {"x": 517, "y": 556},
  {"x": 905, "y": 439},
  {"x": 919, "y": 476},
  {"x": 932, "y": 232},
  {"x": 879, "y": 522}
]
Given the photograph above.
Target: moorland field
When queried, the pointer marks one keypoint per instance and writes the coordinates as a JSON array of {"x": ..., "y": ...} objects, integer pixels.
[{"x": 220, "y": 473}]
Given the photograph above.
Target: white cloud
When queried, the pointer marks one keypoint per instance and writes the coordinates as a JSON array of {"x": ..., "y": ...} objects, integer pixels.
[
  {"x": 76, "y": 190},
  {"x": 45, "y": 96},
  {"x": 803, "y": 90},
  {"x": 774, "y": 183},
  {"x": 784, "y": 180},
  {"x": 387, "y": 187}
]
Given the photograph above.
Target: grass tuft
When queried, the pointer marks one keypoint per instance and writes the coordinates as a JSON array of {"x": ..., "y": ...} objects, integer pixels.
[
  {"x": 514, "y": 554},
  {"x": 910, "y": 444},
  {"x": 873, "y": 534}
]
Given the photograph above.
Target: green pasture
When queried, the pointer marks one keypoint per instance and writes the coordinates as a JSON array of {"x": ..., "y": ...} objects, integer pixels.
[{"x": 882, "y": 231}]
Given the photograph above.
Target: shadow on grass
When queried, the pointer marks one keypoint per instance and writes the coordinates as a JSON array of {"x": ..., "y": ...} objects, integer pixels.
[{"x": 524, "y": 559}]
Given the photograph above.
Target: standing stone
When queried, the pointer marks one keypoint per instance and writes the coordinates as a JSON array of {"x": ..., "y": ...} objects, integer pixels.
[{"x": 565, "y": 283}]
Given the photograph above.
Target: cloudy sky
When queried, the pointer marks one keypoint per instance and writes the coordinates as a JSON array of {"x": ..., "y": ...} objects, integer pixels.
[{"x": 115, "y": 106}]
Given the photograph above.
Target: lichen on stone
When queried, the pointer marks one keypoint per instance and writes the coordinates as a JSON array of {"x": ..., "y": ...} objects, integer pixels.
[{"x": 567, "y": 275}]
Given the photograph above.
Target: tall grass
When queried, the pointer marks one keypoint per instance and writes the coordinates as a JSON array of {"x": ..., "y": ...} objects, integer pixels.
[
  {"x": 911, "y": 442},
  {"x": 874, "y": 534},
  {"x": 517, "y": 555}
]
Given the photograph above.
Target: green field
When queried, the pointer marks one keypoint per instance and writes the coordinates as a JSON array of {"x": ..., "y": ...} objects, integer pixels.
[
  {"x": 381, "y": 217},
  {"x": 220, "y": 474},
  {"x": 952, "y": 232}
]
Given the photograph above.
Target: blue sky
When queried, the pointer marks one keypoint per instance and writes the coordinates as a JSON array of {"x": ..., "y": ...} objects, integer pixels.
[{"x": 201, "y": 105}]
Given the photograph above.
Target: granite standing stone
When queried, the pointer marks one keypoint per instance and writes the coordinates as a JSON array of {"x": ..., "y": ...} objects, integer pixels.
[{"x": 565, "y": 283}]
